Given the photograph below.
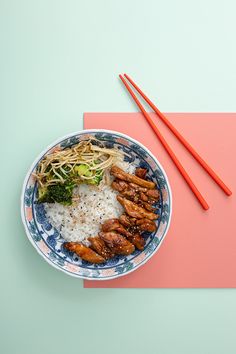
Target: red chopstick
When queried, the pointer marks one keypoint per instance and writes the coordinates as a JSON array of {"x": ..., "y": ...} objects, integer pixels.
[
  {"x": 176, "y": 161},
  {"x": 179, "y": 136}
]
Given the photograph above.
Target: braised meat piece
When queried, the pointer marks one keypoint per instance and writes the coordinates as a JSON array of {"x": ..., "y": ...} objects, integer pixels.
[
  {"x": 131, "y": 194},
  {"x": 146, "y": 225},
  {"x": 143, "y": 197},
  {"x": 137, "y": 225},
  {"x": 138, "y": 188},
  {"x": 137, "y": 194},
  {"x": 125, "y": 189},
  {"x": 99, "y": 246},
  {"x": 114, "y": 225},
  {"x": 110, "y": 225},
  {"x": 130, "y": 233},
  {"x": 126, "y": 220},
  {"x": 153, "y": 194},
  {"x": 119, "y": 185},
  {"x": 150, "y": 193},
  {"x": 141, "y": 172},
  {"x": 134, "y": 210},
  {"x": 84, "y": 252},
  {"x": 147, "y": 206},
  {"x": 137, "y": 240},
  {"x": 117, "y": 243},
  {"x": 119, "y": 173}
]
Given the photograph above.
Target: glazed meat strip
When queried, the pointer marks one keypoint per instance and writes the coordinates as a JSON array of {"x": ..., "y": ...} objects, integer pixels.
[
  {"x": 137, "y": 195},
  {"x": 119, "y": 173},
  {"x": 138, "y": 225},
  {"x": 147, "y": 206},
  {"x": 143, "y": 197},
  {"x": 126, "y": 220},
  {"x": 141, "y": 172},
  {"x": 120, "y": 185},
  {"x": 84, "y": 252},
  {"x": 146, "y": 225},
  {"x": 153, "y": 194},
  {"x": 126, "y": 190},
  {"x": 117, "y": 243},
  {"x": 135, "y": 210},
  {"x": 114, "y": 225},
  {"x": 99, "y": 246},
  {"x": 138, "y": 241},
  {"x": 138, "y": 188}
]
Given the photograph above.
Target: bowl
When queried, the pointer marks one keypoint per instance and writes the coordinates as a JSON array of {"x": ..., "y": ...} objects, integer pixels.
[{"x": 48, "y": 241}]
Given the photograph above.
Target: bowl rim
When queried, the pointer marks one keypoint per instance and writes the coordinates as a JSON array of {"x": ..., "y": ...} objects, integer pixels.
[{"x": 37, "y": 159}]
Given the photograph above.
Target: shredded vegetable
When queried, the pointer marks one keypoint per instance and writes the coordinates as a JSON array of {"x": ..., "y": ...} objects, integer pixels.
[{"x": 84, "y": 162}]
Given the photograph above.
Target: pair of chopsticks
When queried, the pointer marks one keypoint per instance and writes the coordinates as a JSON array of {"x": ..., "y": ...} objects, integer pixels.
[{"x": 167, "y": 147}]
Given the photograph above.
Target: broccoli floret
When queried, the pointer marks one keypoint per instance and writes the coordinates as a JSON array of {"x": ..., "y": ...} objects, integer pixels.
[
  {"x": 97, "y": 178},
  {"x": 83, "y": 170},
  {"x": 60, "y": 193}
]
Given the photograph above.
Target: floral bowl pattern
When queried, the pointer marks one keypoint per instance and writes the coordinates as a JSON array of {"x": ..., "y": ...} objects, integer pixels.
[{"x": 47, "y": 240}]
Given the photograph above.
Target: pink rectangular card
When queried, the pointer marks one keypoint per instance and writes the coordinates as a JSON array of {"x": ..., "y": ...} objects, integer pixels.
[{"x": 199, "y": 250}]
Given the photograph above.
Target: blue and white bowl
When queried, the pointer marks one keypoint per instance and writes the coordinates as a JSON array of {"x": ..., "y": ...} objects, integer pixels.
[{"x": 48, "y": 241}]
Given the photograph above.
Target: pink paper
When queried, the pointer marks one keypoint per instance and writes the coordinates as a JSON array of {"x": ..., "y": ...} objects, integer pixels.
[{"x": 199, "y": 250}]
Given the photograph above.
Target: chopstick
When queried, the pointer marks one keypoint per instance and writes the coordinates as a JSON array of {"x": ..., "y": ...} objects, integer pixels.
[
  {"x": 167, "y": 147},
  {"x": 180, "y": 137}
]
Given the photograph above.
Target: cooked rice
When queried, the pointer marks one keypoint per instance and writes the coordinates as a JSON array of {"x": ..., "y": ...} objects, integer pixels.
[{"x": 91, "y": 207}]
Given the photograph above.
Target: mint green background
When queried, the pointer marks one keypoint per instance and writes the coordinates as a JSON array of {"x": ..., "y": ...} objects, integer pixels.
[{"x": 60, "y": 59}]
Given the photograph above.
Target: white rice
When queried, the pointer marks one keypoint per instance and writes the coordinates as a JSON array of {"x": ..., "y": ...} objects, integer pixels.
[{"x": 83, "y": 219}]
